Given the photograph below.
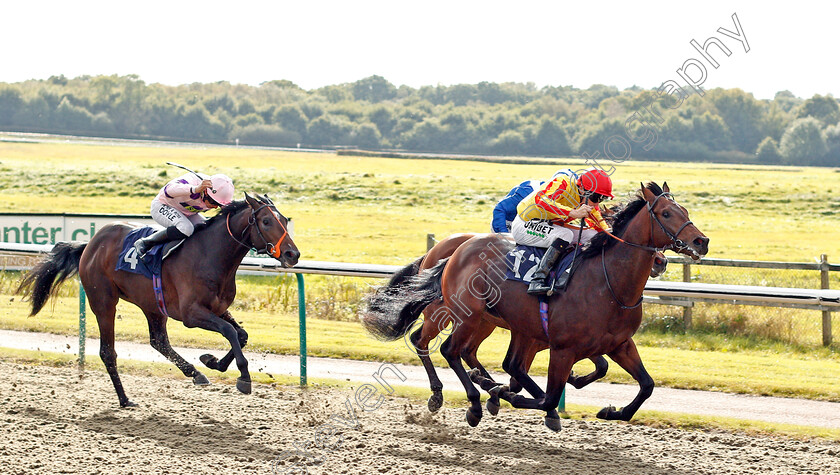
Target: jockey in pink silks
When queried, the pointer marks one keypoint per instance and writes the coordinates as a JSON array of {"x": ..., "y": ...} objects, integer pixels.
[{"x": 177, "y": 205}]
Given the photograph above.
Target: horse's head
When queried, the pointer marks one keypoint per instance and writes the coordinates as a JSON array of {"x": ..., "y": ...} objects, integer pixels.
[
  {"x": 670, "y": 226},
  {"x": 269, "y": 231},
  {"x": 660, "y": 263}
]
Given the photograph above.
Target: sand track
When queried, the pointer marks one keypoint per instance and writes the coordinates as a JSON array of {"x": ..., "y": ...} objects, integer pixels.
[{"x": 53, "y": 422}]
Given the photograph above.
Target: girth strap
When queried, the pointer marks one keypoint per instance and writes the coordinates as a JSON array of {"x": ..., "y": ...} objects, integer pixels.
[{"x": 157, "y": 285}]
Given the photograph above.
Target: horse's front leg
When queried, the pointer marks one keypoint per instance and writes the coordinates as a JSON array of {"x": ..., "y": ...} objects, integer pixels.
[
  {"x": 600, "y": 371},
  {"x": 222, "y": 364},
  {"x": 202, "y": 317},
  {"x": 628, "y": 358}
]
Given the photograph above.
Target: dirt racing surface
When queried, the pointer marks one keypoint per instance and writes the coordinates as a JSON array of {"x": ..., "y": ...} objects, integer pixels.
[{"x": 53, "y": 422}]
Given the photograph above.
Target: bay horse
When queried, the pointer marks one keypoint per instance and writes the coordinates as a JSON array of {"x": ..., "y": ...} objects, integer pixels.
[
  {"x": 434, "y": 323},
  {"x": 198, "y": 281},
  {"x": 596, "y": 315}
]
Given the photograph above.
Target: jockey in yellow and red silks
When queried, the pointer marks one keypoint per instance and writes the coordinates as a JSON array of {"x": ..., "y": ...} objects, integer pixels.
[{"x": 545, "y": 217}]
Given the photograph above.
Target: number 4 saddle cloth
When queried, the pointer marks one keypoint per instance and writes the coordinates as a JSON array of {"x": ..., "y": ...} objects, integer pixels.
[
  {"x": 522, "y": 262},
  {"x": 152, "y": 262}
]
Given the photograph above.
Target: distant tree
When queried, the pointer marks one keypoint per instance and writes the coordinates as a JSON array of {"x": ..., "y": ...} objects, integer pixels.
[
  {"x": 71, "y": 118},
  {"x": 832, "y": 141},
  {"x": 711, "y": 131},
  {"x": 803, "y": 143},
  {"x": 461, "y": 94},
  {"x": 10, "y": 103},
  {"x": 384, "y": 120},
  {"x": 366, "y": 136},
  {"x": 329, "y": 130},
  {"x": 786, "y": 101},
  {"x": 334, "y": 94},
  {"x": 291, "y": 117},
  {"x": 550, "y": 140},
  {"x": 822, "y": 108},
  {"x": 249, "y": 119},
  {"x": 245, "y": 107},
  {"x": 281, "y": 83},
  {"x": 768, "y": 152},
  {"x": 509, "y": 142},
  {"x": 374, "y": 89},
  {"x": 742, "y": 114}
]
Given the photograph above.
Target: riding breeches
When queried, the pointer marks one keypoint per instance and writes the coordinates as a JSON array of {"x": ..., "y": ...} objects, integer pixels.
[
  {"x": 167, "y": 216},
  {"x": 541, "y": 233}
]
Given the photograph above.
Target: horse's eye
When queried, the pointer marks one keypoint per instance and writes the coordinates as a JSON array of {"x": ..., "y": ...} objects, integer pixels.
[
  {"x": 666, "y": 215},
  {"x": 265, "y": 221}
]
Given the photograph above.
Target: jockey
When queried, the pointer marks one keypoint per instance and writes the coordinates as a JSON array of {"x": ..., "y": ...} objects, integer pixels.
[
  {"x": 545, "y": 218},
  {"x": 177, "y": 205},
  {"x": 505, "y": 209}
]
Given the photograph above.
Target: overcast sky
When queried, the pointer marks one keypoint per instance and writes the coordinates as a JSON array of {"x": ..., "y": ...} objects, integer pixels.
[{"x": 317, "y": 43}]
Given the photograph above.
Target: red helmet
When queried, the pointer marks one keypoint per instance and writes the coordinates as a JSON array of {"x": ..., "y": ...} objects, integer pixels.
[{"x": 596, "y": 181}]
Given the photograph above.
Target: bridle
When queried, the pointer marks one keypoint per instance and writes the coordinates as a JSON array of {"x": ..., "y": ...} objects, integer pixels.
[
  {"x": 268, "y": 248},
  {"x": 675, "y": 245}
]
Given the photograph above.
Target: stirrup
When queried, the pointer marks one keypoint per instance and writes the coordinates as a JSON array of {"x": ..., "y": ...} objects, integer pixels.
[{"x": 538, "y": 287}]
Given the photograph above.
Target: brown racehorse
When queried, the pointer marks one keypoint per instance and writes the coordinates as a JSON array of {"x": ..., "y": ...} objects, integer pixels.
[
  {"x": 597, "y": 314},
  {"x": 198, "y": 280},
  {"x": 434, "y": 323}
]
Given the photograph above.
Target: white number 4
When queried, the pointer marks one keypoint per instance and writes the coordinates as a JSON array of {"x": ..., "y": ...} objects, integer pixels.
[{"x": 131, "y": 258}]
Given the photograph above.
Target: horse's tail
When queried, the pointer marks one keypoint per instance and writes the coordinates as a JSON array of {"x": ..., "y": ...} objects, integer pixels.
[
  {"x": 44, "y": 280},
  {"x": 391, "y": 310}
]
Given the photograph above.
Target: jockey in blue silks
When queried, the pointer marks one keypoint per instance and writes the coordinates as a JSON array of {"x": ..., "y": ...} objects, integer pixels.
[{"x": 505, "y": 210}]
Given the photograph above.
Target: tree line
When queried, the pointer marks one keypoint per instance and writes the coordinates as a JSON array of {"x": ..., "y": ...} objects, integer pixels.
[{"x": 727, "y": 125}]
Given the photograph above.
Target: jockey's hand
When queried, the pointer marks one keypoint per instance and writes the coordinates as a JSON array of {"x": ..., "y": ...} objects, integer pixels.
[
  {"x": 205, "y": 185},
  {"x": 581, "y": 212}
]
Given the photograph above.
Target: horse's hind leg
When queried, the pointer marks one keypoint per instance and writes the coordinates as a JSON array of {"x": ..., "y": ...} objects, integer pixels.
[
  {"x": 451, "y": 350},
  {"x": 159, "y": 339},
  {"x": 420, "y": 340},
  {"x": 628, "y": 358},
  {"x": 103, "y": 302}
]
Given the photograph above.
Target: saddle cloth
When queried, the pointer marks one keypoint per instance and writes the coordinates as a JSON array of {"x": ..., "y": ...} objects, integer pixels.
[
  {"x": 152, "y": 262},
  {"x": 522, "y": 262}
]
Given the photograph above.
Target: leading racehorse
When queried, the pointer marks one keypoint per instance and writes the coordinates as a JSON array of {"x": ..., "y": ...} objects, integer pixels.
[
  {"x": 597, "y": 314},
  {"x": 198, "y": 280}
]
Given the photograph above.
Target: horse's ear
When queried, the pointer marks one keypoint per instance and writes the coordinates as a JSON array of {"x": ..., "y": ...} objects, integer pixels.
[
  {"x": 649, "y": 196},
  {"x": 665, "y": 187},
  {"x": 265, "y": 199},
  {"x": 251, "y": 201}
]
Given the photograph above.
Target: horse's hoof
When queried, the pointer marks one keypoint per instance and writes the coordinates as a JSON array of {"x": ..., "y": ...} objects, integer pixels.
[
  {"x": 243, "y": 385},
  {"x": 606, "y": 413},
  {"x": 473, "y": 416},
  {"x": 128, "y": 404},
  {"x": 209, "y": 361},
  {"x": 553, "y": 423},
  {"x": 435, "y": 401},
  {"x": 497, "y": 390},
  {"x": 201, "y": 380},
  {"x": 493, "y": 405}
]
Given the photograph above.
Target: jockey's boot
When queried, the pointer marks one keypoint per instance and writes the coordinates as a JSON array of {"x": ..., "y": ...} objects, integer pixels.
[
  {"x": 538, "y": 285},
  {"x": 158, "y": 237}
]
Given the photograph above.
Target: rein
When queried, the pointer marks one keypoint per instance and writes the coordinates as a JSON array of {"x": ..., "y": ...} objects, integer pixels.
[{"x": 269, "y": 248}]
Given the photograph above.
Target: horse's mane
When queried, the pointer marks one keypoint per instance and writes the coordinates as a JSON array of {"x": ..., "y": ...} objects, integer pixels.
[
  {"x": 228, "y": 209},
  {"x": 623, "y": 214}
]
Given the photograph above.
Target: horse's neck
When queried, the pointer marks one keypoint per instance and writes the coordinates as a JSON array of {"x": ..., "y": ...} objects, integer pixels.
[
  {"x": 226, "y": 254},
  {"x": 628, "y": 267}
]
